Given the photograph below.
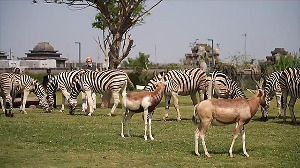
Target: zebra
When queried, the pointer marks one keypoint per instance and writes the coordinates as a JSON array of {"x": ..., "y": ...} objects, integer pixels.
[
  {"x": 26, "y": 84},
  {"x": 222, "y": 86},
  {"x": 271, "y": 88},
  {"x": 114, "y": 81},
  {"x": 289, "y": 82},
  {"x": 63, "y": 81},
  {"x": 7, "y": 85},
  {"x": 181, "y": 82}
]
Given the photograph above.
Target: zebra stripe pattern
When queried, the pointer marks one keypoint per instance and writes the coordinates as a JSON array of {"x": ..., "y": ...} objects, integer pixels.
[
  {"x": 290, "y": 84},
  {"x": 7, "y": 82},
  {"x": 152, "y": 84},
  {"x": 222, "y": 86},
  {"x": 63, "y": 81},
  {"x": 114, "y": 81},
  {"x": 181, "y": 82},
  {"x": 272, "y": 88},
  {"x": 26, "y": 84}
]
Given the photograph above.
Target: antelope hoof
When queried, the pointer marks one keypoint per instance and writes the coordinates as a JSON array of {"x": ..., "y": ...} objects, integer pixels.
[
  {"x": 208, "y": 155},
  {"x": 109, "y": 114},
  {"x": 151, "y": 137},
  {"x": 197, "y": 153},
  {"x": 145, "y": 137},
  {"x": 122, "y": 135},
  {"x": 230, "y": 155},
  {"x": 165, "y": 118},
  {"x": 246, "y": 154},
  {"x": 178, "y": 119}
]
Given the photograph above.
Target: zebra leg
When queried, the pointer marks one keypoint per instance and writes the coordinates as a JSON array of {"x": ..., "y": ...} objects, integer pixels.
[
  {"x": 201, "y": 95},
  {"x": 65, "y": 96},
  {"x": 175, "y": 99},
  {"x": 2, "y": 105},
  {"x": 167, "y": 107},
  {"x": 89, "y": 102},
  {"x": 116, "y": 97},
  {"x": 278, "y": 99},
  {"x": 210, "y": 90},
  {"x": 83, "y": 105},
  {"x": 94, "y": 97},
  {"x": 291, "y": 106},
  {"x": 63, "y": 101},
  {"x": 194, "y": 98},
  {"x": 8, "y": 106},
  {"x": 23, "y": 102},
  {"x": 284, "y": 102}
]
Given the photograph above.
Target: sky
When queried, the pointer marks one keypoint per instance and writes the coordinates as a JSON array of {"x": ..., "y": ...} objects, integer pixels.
[{"x": 167, "y": 33}]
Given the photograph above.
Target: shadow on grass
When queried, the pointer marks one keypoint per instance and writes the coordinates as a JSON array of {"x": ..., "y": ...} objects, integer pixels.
[
  {"x": 173, "y": 119},
  {"x": 279, "y": 120},
  {"x": 140, "y": 136},
  {"x": 238, "y": 152}
]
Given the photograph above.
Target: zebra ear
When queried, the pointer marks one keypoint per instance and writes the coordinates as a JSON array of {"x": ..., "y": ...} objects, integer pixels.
[{"x": 154, "y": 73}]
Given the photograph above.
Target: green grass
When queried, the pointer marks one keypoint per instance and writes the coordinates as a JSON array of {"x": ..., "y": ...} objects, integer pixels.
[{"x": 60, "y": 140}]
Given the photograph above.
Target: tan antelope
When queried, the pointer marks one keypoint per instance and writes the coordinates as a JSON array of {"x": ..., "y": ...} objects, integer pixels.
[
  {"x": 227, "y": 111},
  {"x": 144, "y": 101}
]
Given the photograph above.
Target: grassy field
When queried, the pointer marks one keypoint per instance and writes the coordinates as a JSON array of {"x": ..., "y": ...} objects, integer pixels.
[{"x": 60, "y": 140}]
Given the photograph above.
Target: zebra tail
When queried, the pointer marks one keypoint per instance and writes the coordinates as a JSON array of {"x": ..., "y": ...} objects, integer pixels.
[{"x": 131, "y": 85}]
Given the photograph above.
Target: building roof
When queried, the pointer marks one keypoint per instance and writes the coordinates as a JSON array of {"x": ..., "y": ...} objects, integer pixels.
[{"x": 43, "y": 47}]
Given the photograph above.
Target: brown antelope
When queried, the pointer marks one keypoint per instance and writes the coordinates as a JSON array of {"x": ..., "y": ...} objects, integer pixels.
[
  {"x": 136, "y": 102},
  {"x": 227, "y": 111}
]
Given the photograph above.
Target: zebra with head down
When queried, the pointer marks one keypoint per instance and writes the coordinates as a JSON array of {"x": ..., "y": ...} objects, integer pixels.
[
  {"x": 220, "y": 85},
  {"x": 26, "y": 85},
  {"x": 63, "y": 81}
]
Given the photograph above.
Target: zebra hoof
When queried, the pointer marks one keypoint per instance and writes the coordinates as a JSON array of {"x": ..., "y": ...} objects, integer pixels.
[{"x": 264, "y": 119}]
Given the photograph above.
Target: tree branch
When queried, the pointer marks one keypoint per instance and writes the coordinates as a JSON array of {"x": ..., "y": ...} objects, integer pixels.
[
  {"x": 130, "y": 44},
  {"x": 147, "y": 11}
]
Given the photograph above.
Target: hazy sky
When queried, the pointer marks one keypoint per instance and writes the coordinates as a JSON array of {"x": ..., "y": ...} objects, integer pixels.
[{"x": 171, "y": 27}]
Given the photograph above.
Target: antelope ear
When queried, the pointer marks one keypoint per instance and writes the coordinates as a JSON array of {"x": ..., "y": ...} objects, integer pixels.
[{"x": 261, "y": 92}]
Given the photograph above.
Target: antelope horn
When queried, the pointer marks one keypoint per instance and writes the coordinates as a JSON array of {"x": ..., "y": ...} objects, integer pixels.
[{"x": 254, "y": 79}]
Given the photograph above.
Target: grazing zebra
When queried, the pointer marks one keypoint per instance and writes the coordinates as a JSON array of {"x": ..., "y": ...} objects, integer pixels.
[
  {"x": 63, "y": 81},
  {"x": 222, "y": 86},
  {"x": 7, "y": 84},
  {"x": 26, "y": 84},
  {"x": 272, "y": 88},
  {"x": 114, "y": 81},
  {"x": 181, "y": 82},
  {"x": 289, "y": 82}
]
